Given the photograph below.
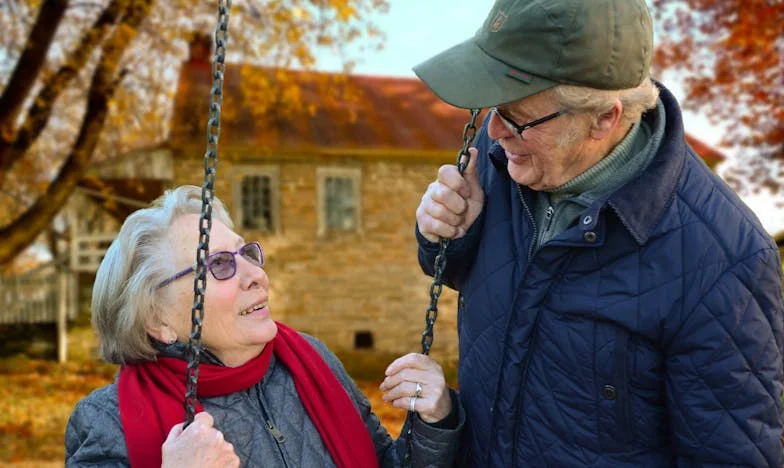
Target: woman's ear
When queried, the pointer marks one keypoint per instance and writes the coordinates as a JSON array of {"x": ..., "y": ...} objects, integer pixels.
[
  {"x": 159, "y": 330},
  {"x": 605, "y": 123}
]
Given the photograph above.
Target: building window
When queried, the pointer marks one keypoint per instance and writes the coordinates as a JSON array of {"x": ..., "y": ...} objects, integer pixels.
[
  {"x": 256, "y": 199},
  {"x": 363, "y": 340},
  {"x": 339, "y": 200}
]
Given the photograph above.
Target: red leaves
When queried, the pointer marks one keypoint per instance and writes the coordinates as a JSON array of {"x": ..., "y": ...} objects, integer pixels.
[{"x": 730, "y": 53}]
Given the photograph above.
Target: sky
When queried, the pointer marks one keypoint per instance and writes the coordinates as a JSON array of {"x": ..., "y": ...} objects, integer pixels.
[{"x": 418, "y": 29}]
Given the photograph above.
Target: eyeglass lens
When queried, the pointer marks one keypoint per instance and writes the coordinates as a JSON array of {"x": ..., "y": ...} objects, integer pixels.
[
  {"x": 223, "y": 265},
  {"x": 252, "y": 253}
]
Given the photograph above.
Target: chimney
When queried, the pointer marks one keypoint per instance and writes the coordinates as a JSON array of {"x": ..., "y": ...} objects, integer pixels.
[{"x": 200, "y": 48}]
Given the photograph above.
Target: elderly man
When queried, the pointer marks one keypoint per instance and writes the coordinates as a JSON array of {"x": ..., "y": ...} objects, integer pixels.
[{"x": 621, "y": 306}]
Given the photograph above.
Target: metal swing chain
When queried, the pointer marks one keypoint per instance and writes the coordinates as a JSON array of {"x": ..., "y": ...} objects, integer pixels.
[
  {"x": 207, "y": 195},
  {"x": 469, "y": 132}
]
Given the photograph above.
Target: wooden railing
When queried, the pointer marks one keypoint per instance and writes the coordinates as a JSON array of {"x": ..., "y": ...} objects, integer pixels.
[{"x": 46, "y": 294}]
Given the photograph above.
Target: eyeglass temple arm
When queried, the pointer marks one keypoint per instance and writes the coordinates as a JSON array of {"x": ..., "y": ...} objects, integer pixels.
[{"x": 178, "y": 276}]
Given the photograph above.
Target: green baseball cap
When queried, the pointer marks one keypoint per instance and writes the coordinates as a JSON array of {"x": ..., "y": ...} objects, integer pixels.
[{"x": 527, "y": 46}]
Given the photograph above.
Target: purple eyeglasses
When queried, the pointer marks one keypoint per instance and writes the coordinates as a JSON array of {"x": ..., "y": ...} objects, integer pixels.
[{"x": 223, "y": 265}]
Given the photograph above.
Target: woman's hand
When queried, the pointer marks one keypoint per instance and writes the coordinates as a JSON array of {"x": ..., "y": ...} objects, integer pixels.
[
  {"x": 199, "y": 445},
  {"x": 416, "y": 382}
]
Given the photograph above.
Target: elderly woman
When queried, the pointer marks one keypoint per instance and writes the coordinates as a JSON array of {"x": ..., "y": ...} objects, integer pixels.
[{"x": 270, "y": 396}]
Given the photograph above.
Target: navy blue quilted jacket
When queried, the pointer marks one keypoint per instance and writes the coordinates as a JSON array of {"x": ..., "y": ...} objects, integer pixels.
[{"x": 648, "y": 334}]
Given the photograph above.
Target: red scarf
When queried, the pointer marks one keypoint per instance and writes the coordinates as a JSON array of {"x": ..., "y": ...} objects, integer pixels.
[{"x": 151, "y": 399}]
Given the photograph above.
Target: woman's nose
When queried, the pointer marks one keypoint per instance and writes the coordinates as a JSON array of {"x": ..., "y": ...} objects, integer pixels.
[{"x": 251, "y": 275}]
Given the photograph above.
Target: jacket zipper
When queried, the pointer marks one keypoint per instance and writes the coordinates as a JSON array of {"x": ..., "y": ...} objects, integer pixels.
[
  {"x": 276, "y": 433},
  {"x": 533, "y": 223},
  {"x": 535, "y": 331},
  {"x": 531, "y": 348},
  {"x": 514, "y": 300}
]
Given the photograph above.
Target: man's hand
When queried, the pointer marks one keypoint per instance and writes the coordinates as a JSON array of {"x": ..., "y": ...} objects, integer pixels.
[{"x": 451, "y": 203}]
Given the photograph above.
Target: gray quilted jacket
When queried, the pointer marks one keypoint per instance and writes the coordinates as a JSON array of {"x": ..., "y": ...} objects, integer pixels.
[{"x": 94, "y": 435}]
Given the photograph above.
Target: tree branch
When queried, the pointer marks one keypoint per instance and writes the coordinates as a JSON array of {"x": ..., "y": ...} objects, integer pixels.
[
  {"x": 41, "y": 109},
  {"x": 28, "y": 66},
  {"x": 23, "y": 231}
]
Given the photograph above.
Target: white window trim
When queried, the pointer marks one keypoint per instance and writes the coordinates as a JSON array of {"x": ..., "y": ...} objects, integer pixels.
[
  {"x": 353, "y": 173},
  {"x": 238, "y": 172}
]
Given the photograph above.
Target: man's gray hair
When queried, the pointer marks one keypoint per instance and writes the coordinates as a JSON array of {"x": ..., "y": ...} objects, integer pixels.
[
  {"x": 598, "y": 101},
  {"x": 125, "y": 294}
]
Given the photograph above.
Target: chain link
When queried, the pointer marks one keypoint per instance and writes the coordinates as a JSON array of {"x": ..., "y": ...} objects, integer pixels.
[
  {"x": 207, "y": 195},
  {"x": 463, "y": 156}
]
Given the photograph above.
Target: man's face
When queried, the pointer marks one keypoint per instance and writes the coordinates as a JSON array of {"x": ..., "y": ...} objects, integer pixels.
[{"x": 547, "y": 155}]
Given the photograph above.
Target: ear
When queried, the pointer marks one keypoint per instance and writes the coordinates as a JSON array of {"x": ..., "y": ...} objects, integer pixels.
[
  {"x": 162, "y": 332},
  {"x": 605, "y": 124}
]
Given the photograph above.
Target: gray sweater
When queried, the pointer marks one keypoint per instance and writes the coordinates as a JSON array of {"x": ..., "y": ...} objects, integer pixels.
[{"x": 94, "y": 435}]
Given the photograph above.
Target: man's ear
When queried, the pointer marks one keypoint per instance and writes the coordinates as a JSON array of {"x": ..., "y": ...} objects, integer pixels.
[{"x": 605, "y": 124}]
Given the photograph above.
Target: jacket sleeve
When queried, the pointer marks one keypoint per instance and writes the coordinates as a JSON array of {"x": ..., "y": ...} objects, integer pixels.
[
  {"x": 94, "y": 437},
  {"x": 724, "y": 370},
  {"x": 432, "y": 446},
  {"x": 459, "y": 253}
]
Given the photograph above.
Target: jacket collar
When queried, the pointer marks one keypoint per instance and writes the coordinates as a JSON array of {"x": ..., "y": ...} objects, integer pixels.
[{"x": 641, "y": 203}]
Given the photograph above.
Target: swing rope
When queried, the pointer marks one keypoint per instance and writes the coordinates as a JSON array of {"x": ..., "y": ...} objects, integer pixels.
[
  {"x": 207, "y": 195},
  {"x": 463, "y": 156}
]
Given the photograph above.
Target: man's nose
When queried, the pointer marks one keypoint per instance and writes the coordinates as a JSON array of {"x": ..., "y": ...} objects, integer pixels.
[{"x": 496, "y": 128}]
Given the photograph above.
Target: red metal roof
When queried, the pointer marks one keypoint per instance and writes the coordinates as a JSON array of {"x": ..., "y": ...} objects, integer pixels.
[{"x": 386, "y": 113}]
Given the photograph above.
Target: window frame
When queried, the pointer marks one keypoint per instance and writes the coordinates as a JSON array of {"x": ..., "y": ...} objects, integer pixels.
[
  {"x": 352, "y": 173},
  {"x": 239, "y": 173}
]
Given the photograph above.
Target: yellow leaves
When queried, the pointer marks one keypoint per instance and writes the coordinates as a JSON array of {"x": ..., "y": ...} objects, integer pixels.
[
  {"x": 38, "y": 398},
  {"x": 300, "y": 13},
  {"x": 346, "y": 12}
]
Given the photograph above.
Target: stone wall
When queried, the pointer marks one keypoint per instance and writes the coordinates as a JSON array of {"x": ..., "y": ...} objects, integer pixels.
[{"x": 339, "y": 284}]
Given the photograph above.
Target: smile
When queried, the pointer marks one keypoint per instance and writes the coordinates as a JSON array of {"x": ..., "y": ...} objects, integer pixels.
[{"x": 250, "y": 310}]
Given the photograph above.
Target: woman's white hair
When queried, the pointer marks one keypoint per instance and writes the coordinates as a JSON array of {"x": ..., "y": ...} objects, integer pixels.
[
  {"x": 593, "y": 101},
  {"x": 125, "y": 293}
]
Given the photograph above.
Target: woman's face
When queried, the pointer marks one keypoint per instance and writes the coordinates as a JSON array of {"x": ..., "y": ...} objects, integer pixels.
[{"x": 237, "y": 322}]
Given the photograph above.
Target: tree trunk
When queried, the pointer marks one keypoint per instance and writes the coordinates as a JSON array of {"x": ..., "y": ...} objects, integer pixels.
[{"x": 22, "y": 232}]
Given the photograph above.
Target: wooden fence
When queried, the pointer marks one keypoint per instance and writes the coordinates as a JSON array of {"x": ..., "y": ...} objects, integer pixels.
[{"x": 46, "y": 294}]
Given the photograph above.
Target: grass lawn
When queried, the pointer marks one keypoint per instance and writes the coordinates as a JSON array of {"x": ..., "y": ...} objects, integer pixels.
[{"x": 39, "y": 396}]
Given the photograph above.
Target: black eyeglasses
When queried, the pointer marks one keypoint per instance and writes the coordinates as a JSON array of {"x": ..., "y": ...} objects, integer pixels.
[
  {"x": 223, "y": 265},
  {"x": 518, "y": 130}
]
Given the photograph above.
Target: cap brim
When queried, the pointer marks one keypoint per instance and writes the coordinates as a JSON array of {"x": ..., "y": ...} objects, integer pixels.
[{"x": 465, "y": 76}]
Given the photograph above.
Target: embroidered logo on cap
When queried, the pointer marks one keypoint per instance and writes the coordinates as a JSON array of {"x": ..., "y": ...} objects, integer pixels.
[
  {"x": 518, "y": 75},
  {"x": 498, "y": 21}
]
